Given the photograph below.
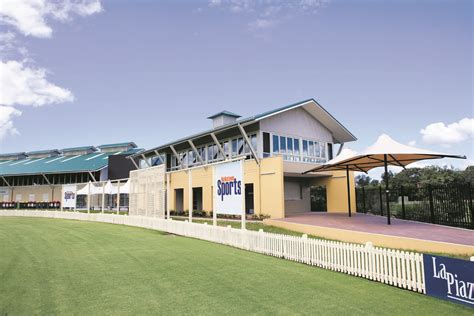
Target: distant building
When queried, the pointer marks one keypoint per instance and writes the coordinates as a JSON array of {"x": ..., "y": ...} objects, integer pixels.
[{"x": 38, "y": 175}]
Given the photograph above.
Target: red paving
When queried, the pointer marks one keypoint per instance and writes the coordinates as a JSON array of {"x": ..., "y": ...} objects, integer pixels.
[{"x": 378, "y": 225}]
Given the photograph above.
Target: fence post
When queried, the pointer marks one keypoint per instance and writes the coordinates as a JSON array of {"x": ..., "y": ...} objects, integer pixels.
[
  {"x": 363, "y": 200},
  {"x": 430, "y": 195},
  {"x": 380, "y": 198},
  {"x": 403, "y": 201},
  {"x": 470, "y": 204}
]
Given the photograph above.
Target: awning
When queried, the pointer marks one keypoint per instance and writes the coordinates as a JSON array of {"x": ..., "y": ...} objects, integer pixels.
[{"x": 385, "y": 151}]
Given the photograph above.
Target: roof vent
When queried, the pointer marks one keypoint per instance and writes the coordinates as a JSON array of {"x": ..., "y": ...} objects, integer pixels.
[
  {"x": 43, "y": 153},
  {"x": 74, "y": 151},
  {"x": 12, "y": 156},
  {"x": 118, "y": 147},
  {"x": 223, "y": 118}
]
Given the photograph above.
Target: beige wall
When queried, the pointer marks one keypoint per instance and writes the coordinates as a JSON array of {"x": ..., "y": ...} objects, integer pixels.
[
  {"x": 336, "y": 191},
  {"x": 54, "y": 192},
  {"x": 267, "y": 180}
]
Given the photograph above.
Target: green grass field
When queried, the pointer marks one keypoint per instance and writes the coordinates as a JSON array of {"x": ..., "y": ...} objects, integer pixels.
[{"x": 50, "y": 266}]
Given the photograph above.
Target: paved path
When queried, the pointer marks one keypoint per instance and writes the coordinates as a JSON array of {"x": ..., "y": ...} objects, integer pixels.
[{"x": 378, "y": 225}]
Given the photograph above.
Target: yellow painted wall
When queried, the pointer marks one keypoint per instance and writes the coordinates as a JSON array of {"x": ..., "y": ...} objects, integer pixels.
[
  {"x": 336, "y": 191},
  {"x": 268, "y": 186},
  {"x": 38, "y": 191}
]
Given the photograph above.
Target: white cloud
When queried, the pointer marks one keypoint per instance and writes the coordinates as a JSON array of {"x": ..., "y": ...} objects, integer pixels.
[
  {"x": 6, "y": 124},
  {"x": 30, "y": 16},
  {"x": 442, "y": 134},
  {"x": 412, "y": 143},
  {"x": 262, "y": 23},
  {"x": 265, "y": 14},
  {"x": 22, "y": 85}
]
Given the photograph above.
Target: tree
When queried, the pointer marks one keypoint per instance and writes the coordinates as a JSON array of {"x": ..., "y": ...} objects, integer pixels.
[
  {"x": 388, "y": 175},
  {"x": 362, "y": 180}
]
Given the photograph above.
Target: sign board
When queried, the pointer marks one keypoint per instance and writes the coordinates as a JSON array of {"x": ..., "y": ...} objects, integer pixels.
[
  {"x": 229, "y": 188},
  {"x": 69, "y": 196},
  {"x": 450, "y": 279}
]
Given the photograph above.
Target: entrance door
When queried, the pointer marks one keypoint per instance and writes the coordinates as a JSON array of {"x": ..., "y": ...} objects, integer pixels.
[
  {"x": 197, "y": 199},
  {"x": 249, "y": 200},
  {"x": 318, "y": 198},
  {"x": 179, "y": 200}
]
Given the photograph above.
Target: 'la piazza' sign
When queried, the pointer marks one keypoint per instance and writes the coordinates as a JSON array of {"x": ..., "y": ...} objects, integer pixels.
[{"x": 449, "y": 278}]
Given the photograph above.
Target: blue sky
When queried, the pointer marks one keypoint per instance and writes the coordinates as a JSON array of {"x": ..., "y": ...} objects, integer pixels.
[{"x": 152, "y": 71}]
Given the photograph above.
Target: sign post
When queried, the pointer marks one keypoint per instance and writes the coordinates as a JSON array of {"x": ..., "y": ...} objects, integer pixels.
[{"x": 229, "y": 190}]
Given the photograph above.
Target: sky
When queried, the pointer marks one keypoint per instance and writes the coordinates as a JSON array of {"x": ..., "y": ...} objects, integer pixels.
[{"x": 89, "y": 72}]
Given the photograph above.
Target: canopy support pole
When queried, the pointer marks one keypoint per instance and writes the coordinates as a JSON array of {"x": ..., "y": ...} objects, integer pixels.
[
  {"x": 348, "y": 191},
  {"x": 386, "y": 189}
]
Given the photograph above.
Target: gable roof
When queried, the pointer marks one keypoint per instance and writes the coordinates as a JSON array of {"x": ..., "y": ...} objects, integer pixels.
[{"x": 340, "y": 133}]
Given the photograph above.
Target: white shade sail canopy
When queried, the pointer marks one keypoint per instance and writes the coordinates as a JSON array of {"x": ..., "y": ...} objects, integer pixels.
[
  {"x": 385, "y": 148},
  {"x": 91, "y": 188}
]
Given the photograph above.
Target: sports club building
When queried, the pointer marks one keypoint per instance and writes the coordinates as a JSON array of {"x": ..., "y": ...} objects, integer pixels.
[
  {"x": 39, "y": 176},
  {"x": 274, "y": 149}
]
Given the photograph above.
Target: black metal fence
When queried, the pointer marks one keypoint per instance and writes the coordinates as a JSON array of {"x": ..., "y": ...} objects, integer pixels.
[{"x": 445, "y": 205}]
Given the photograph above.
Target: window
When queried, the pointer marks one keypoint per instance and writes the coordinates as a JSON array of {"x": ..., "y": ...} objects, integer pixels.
[
  {"x": 289, "y": 145},
  {"x": 266, "y": 144},
  {"x": 215, "y": 151},
  {"x": 311, "y": 149},
  {"x": 253, "y": 141},
  {"x": 330, "y": 153},
  {"x": 317, "y": 150},
  {"x": 276, "y": 147},
  {"x": 210, "y": 153},
  {"x": 305, "y": 147},
  {"x": 226, "y": 149},
  {"x": 323, "y": 150},
  {"x": 234, "y": 147},
  {"x": 296, "y": 146},
  {"x": 240, "y": 143},
  {"x": 282, "y": 144}
]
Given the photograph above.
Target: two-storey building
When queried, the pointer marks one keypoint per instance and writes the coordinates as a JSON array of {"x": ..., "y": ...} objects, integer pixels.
[{"x": 278, "y": 146}]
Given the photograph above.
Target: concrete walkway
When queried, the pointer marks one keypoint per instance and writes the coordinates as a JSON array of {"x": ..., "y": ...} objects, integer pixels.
[{"x": 365, "y": 227}]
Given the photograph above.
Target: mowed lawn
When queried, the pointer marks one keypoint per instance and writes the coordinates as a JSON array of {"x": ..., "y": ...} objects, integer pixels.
[{"x": 51, "y": 266}]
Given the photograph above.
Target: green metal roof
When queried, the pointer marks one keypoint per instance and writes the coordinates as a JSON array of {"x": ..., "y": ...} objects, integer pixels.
[
  {"x": 224, "y": 113},
  {"x": 131, "y": 144},
  {"x": 60, "y": 164}
]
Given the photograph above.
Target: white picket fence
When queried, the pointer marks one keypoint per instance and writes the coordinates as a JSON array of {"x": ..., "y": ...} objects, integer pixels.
[{"x": 398, "y": 268}]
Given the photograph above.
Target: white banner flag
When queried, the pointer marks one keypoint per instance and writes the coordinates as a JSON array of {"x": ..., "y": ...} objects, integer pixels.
[
  {"x": 229, "y": 188},
  {"x": 69, "y": 196}
]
